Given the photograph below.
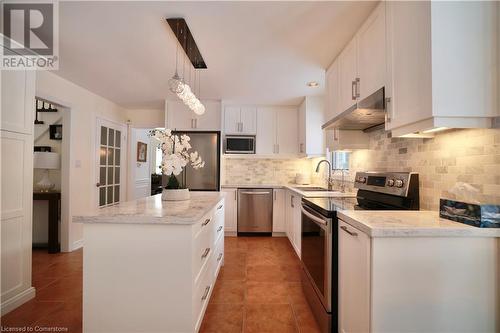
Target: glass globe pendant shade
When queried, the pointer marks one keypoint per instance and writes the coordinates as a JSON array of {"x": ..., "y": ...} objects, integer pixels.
[
  {"x": 175, "y": 84},
  {"x": 185, "y": 92},
  {"x": 199, "y": 109}
]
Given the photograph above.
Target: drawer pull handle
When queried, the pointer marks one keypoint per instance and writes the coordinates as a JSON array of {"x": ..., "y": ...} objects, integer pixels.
[
  {"x": 205, "y": 295},
  {"x": 207, "y": 221},
  {"x": 205, "y": 253},
  {"x": 220, "y": 207},
  {"x": 352, "y": 233},
  {"x": 220, "y": 257},
  {"x": 219, "y": 229}
]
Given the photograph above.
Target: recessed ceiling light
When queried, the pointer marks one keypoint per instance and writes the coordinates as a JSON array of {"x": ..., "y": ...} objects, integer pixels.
[{"x": 313, "y": 84}]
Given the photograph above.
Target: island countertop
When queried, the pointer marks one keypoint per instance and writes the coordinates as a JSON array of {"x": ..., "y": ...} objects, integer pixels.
[
  {"x": 411, "y": 224},
  {"x": 152, "y": 210}
]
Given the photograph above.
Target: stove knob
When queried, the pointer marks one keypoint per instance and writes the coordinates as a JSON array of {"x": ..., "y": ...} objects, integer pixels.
[
  {"x": 362, "y": 180},
  {"x": 398, "y": 183},
  {"x": 390, "y": 182}
]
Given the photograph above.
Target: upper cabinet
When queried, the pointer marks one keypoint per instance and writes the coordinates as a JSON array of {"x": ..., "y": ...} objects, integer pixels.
[
  {"x": 17, "y": 102},
  {"x": 311, "y": 117},
  {"x": 277, "y": 131},
  {"x": 332, "y": 95},
  {"x": 442, "y": 59},
  {"x": 179, "y": 116},
  {"x": 348, "y": 72},
  {"x": 371, "y": 53},
  {"x": 240, "y": 119}
]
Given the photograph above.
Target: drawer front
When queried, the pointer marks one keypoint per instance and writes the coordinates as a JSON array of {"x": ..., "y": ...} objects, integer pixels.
[
  {"x": 218, "y": 257},
  {"x": 201, "y": 296},
  {"x": 219, "y": 216},
  {"x": 203, "y": 247}
]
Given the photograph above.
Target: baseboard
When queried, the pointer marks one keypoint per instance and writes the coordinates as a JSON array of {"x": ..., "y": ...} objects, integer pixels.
[
  {"x": 230, "y": 233},
  {"x": 279, "y": 234},
  {"x": 17, "y": 300},
  {"x": 77, "y": 244}
]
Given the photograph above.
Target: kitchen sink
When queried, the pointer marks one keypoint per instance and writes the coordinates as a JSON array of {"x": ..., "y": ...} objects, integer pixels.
[{"x": 311, "y": 188}]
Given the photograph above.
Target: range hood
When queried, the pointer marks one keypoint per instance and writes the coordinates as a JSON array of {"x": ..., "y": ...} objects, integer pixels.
[{"x": 367, "y": 115}]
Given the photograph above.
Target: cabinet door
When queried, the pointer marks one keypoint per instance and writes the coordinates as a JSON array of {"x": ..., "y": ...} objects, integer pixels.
[
  {"x": 302, "y": 124},
  {"x": 409, "y": 77},
  {"x": 231, "y": 210},
  {"x": 210, "y": 120},
  {"x": 371, "y": 53},
  {"x": 297, "y": 225},
  {"x": 332, "y": 108},
  {"x": 266, "y": 131},
  {"x": 279, "y": 224},
  {"x": 286, "y": 130},
  {"x": 348, "y": 74},
  {"x": 180, "y": 117},
  {"x": 289, "y": 215},
  {"x": 248, "y": 118},
  {"x": 232, "y": 119},
  {"x": 17, "y": 103},
  {"x": 354, "y": 279}
]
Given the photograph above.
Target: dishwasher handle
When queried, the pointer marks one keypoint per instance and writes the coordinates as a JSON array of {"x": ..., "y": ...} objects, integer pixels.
[{"x": 255, "y": 193}]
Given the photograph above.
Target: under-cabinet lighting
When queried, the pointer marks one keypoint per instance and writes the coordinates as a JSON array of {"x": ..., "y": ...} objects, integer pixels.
[
  {"x": 313, "y": 84},
  {"x": 436, "y": 129}
]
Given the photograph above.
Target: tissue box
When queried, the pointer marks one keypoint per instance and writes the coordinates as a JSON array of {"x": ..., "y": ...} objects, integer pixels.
[{"x": 482, "y": 216}]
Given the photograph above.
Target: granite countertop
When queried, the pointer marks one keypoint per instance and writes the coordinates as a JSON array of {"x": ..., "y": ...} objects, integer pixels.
[
  {"x": 411, "y": 224},
  {"x": 152, "y": 210},
  {"x": 292, "y": 187}
]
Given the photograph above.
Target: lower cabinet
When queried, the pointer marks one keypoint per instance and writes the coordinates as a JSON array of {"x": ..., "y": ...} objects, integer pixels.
[
  {"x": 354, "y": 280},
  {"x": 231, "y": 219},
  {"x": 416, "y": 284},
  {"x": 279, "y": 220},
  {"x": 293, "y": 219}
]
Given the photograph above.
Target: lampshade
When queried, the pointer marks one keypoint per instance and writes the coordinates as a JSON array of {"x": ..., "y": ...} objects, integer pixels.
[{"x": 46, "y": 160}]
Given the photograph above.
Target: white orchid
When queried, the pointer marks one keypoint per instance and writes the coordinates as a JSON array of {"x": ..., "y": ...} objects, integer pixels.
[{"x": 175, "y": 151}]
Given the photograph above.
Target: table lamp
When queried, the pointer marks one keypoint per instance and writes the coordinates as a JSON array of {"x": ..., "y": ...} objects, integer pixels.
[{"x": 45, "y": 161}]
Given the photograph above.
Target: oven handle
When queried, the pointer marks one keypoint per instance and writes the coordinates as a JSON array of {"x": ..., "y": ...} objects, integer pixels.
[{"x": 314, "y": 218}]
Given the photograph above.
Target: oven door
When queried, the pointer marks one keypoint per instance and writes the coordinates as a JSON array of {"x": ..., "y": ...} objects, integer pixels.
[{"x": 316, "y": 253}]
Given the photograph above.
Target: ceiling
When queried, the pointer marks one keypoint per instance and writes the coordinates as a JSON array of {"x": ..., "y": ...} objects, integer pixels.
[{"x": 256, "y": 52}]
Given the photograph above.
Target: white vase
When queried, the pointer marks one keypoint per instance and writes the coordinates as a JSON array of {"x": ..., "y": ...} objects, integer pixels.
[{"x": 175, "y": 195}]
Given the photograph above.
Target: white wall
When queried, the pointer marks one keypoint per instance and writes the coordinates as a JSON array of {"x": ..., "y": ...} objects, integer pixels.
[
  {"x": 85, "y": 107},
  {"x": 139, "y": 173},
  {"x": 146, "y": 118}
]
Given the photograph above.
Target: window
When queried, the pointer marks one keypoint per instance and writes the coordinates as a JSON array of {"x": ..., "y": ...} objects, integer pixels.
[{"x": 340, "y": 159}]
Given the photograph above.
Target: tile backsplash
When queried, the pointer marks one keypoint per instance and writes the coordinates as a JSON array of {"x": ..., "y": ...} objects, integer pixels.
[
  {"x": 468, "y": 155},
  {"x": 253, "y": 170}
]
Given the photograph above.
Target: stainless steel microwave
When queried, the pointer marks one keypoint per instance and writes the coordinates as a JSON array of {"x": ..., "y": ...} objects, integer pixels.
[{"x": 239, "y": 144}]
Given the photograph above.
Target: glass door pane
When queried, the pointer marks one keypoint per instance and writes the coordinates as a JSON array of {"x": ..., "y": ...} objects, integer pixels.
[{"x": 109, "y": 166}]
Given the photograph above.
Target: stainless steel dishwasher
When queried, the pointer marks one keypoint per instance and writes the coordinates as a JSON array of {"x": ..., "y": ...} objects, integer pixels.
[{"x": 255, "y": 210}]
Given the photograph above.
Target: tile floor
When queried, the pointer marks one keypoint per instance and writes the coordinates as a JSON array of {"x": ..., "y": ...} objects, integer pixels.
[{"x": 258, "y": 290}]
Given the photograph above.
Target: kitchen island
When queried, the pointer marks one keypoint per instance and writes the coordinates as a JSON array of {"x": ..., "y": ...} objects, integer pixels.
[{"x": 150, "y": 265}]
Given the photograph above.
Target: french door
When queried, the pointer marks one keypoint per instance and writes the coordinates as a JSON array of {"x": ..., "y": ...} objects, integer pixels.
[{"x": 110, "y": 161}]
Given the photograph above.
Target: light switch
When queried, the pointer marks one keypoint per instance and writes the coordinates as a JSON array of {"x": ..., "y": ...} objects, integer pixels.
[{"x": 78, "y": 163}]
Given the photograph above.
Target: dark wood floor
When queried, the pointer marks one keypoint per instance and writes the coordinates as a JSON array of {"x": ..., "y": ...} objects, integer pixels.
[{"x": 258, "y": 290}]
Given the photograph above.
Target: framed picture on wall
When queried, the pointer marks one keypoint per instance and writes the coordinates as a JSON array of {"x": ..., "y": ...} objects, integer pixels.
[
  {"x": 55, "y": 132},
  {"x": 142, "y": 151}
]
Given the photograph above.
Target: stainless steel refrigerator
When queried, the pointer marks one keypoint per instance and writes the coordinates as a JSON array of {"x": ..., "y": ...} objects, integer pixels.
[{"x": 208, "y": 145}]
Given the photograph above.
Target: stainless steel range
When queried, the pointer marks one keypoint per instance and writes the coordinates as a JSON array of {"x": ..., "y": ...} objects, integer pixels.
[{"x": 376, "y": 191}]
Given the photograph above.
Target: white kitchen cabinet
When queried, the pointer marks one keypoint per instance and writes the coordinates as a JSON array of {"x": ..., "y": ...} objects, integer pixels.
[
  {"x": 354, "y": 279},
  {"x": 286, "y": 131},
  {"x": 231, "y": 210},
  {"x": 346, "y": 139},
  {"x": 293, "y": 220},
  {"x": 371, "y": 62},
  {"x": 277, "y": 131},
  {"x": 279, "y": 223},
  {"x": 404, "y": 283},
  {"x": 266, "y": 131},
  {"x": 332, "y": 105},
  {"x": 179, "y": 116},
  {"x": 240, "y": 119},
  {"x": 311, "y": 118},
  {"x": 441, "y": 65},
  {"x": 348, "y": 75}
]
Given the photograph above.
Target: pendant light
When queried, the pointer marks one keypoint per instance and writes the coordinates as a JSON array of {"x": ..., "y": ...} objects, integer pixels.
[{"x": 175, "y": 84}]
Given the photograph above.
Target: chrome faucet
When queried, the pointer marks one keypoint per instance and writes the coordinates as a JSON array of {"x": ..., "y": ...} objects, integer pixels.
[{"x": 330, "y": 180}]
